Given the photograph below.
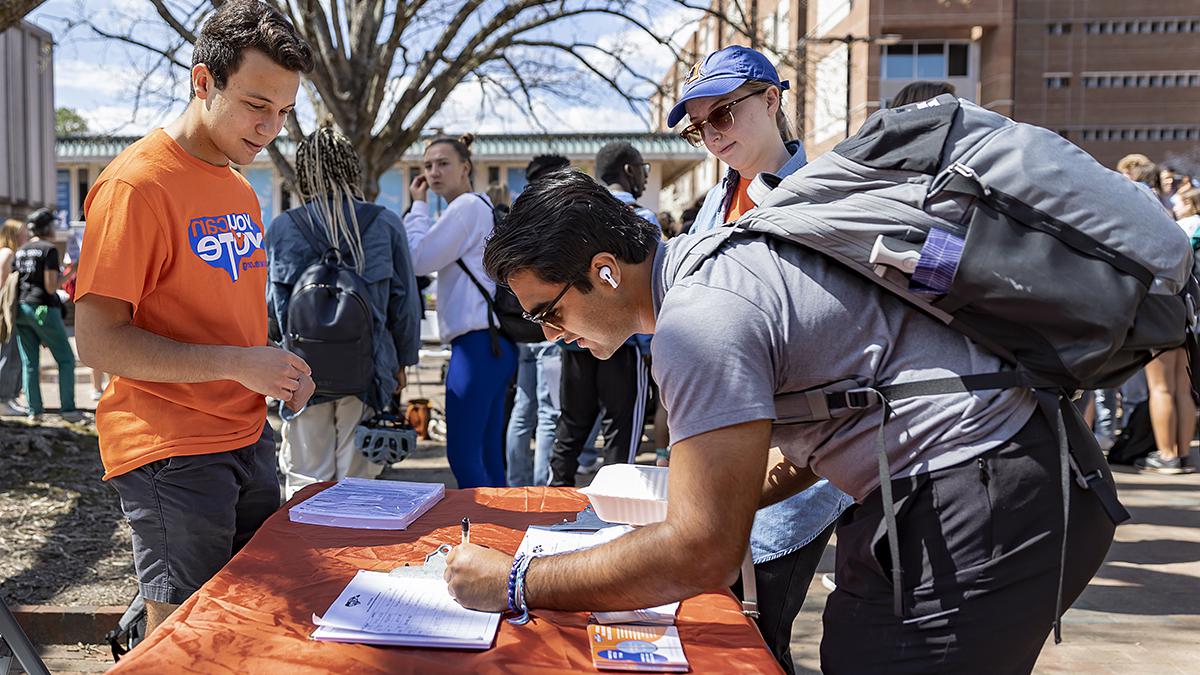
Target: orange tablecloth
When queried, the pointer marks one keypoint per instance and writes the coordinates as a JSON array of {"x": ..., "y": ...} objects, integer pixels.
[{"x": 255, "y": 615}]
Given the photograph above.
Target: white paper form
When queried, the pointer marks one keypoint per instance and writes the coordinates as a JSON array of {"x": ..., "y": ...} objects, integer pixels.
[
  {"x": 383, "y": 609},
  {"x": 542, "y": 541}
]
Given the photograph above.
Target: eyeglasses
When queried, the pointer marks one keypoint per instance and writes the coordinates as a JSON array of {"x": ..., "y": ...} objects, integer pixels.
[
  {"x": 721, "y": 119},
  {"x": 645, "y": 168},
  {"x": 540, "y": 317}
]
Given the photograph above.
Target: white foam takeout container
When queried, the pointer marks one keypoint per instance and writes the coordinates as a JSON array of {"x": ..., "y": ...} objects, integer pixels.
[{"x": 629, "y": 493}]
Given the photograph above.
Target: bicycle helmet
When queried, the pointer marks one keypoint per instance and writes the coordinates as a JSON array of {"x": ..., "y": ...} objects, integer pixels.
[{"x": 385, "y": 438}]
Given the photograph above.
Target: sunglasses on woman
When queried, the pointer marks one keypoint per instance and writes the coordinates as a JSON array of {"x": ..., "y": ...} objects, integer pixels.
[{"x": 721, "y": 119}]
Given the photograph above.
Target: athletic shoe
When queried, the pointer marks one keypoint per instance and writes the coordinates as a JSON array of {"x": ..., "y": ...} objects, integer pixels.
[
  {"x": 827, "y": 582},
  {"x": 591, "y": 467},
  {"x": 75, "y": 416},
  {"x": 96, "y": 394},
  {"x": 1156, "y": 463},
  {"x": 7, "y": 409},
  {"x": 14, "y": 405}
]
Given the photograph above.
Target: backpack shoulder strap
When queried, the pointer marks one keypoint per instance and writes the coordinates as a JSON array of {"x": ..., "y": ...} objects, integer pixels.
[
  {"x": 703, "y": 249},
  {"x": 308, "y": 235}
]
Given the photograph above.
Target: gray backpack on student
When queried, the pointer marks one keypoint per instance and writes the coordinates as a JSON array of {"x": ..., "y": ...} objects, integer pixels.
[{"x": 1071, "y": 273}]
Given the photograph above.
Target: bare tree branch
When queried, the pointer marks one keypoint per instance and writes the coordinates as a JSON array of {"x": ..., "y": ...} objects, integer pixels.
[{"x": 385, "y": 68}]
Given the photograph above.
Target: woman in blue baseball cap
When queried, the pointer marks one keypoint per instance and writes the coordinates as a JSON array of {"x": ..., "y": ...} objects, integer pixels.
[{"x": 734, "y": 104}]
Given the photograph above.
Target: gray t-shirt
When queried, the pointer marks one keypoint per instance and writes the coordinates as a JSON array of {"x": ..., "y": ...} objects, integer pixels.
[{"x": 764, "y": 317}]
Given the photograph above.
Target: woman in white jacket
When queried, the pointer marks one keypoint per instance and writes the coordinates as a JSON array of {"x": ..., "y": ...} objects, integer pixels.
[{"x": 482, "y": 362}]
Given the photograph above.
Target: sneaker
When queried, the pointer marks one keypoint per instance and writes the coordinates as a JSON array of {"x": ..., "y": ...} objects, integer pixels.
[
  {"x": 96, "y": 394},
  {"x": 590, "y": 467},
  {"x": 1155, "y": 463},
  {"x": 8, "y": 410},
  {"x": 827, "y": 582},
  {"x": 74, "y": 416},
  {"x": 15, "y": 406}
]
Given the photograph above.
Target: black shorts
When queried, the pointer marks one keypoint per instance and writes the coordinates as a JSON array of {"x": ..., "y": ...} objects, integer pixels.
[
  {"x": 191, "y": 514},
  {"x": 979, "y": 546}
]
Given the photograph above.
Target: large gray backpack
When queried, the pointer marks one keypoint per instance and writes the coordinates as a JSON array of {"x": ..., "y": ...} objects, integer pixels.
[{"x": 1071, "y": 273}]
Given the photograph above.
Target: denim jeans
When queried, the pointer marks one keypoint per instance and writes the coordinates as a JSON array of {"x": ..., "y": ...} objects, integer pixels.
[
  {"x": 47, "y": 329},
  {"x": 1106, "y": 413},
  {"x": 10, "y": 370},
  {"x": 534, "y": 415}
]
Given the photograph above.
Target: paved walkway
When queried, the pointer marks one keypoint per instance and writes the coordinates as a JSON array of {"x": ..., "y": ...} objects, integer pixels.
[{"x": 1141, "y": 614}]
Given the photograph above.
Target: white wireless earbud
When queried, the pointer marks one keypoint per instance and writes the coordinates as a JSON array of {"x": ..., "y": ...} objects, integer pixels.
[{"x": 606, "y": 274}]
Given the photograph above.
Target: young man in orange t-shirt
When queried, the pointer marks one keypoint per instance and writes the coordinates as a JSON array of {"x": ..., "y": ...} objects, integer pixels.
[{"x": 171, "y": 301}]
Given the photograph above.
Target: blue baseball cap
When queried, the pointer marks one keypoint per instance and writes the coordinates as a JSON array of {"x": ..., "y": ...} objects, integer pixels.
[{"x": 720, "y": 73}]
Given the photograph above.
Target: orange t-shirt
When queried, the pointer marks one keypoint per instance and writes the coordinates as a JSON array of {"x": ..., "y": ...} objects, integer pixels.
[
  {"x": 741, "y": 201},
  {"x": 180, "y": 240}
]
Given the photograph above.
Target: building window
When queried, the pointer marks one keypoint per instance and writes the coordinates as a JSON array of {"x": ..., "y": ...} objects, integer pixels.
[
  {"x": 493, "y": 175},
  {"x": 1058, "y": 28},
  {"x": 1057, "y": 81},
  {"x": 63, "y": 194},
  {"x": 926, "y": 61},
  {"x": 1144, "y": 134}
]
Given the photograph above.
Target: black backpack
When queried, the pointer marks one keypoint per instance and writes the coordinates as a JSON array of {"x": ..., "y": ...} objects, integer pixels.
[
  {"x": 329, "y": 321},
  {"x": 504, "y": 306}
]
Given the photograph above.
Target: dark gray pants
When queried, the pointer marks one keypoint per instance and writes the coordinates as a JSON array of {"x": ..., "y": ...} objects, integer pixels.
[
  {"x": 979, "y": 552},
  {"x": 190, "y": 514}
]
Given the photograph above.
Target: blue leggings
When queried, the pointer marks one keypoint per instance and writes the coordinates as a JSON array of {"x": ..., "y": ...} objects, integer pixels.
[{"x": 476, "y": 387}]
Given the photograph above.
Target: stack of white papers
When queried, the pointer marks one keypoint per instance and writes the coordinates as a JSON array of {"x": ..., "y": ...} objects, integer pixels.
[
  {"x": 379, "y": 609},
  {"x": 368, "y": 504}
]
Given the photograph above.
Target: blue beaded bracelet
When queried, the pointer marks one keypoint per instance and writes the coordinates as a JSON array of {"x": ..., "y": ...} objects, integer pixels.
[
  {"x": 512, "y": 582},
  {"x": 517, "y": 590}
]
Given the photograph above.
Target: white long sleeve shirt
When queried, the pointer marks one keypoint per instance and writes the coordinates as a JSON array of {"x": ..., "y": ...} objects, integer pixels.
[{"x": 436, "y": 246}]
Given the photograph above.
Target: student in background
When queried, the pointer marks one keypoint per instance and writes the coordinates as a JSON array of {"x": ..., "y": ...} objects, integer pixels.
[
  {"x": 535, "y": 405},
  {"x": 618, "y": 386},
  {"x": 40, "y": 321},
  {"x": 736, "y": 111},
  {"x": 12, "y": 237},
  {"x": 318, "y": 442},
  {"x": 921, "y": 90},
  {"x": 482, "y": 362}
]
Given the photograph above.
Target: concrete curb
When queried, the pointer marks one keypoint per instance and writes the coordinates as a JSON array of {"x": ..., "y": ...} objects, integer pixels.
[{"x": 59, "y": 625}]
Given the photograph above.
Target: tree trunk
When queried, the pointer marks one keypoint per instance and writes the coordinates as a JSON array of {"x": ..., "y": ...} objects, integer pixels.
[{"x": 12, "y": 11}]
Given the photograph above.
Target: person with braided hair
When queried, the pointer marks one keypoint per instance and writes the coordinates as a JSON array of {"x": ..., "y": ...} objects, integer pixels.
[{"x": 318, "y": 441}]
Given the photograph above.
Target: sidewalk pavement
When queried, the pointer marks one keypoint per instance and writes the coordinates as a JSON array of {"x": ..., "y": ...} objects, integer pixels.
[{"x": 1141, "y": 613}]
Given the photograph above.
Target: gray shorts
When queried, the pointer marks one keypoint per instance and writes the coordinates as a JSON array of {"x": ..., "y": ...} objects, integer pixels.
[{"x": 191, "y": 514}]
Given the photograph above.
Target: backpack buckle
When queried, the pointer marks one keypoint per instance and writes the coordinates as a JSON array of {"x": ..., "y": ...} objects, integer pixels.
[{"x": 862, "y": 398}]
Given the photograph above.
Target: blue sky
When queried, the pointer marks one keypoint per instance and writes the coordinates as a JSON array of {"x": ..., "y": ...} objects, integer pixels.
[{"x": 99, "y": 77}]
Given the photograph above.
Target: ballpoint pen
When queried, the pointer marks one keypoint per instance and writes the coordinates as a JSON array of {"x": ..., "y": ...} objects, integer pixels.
[{"x": 466, "y": 530}]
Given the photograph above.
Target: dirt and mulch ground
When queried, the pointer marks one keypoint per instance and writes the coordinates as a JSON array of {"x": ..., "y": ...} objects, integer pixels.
[{"x": 63, "y": 537}]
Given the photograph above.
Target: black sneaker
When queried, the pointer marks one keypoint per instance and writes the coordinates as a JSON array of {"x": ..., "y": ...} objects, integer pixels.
[{"x": 1156, "y": 463}]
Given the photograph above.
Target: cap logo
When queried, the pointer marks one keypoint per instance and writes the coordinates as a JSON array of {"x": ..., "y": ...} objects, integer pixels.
[{"x": 694, "y": 74}]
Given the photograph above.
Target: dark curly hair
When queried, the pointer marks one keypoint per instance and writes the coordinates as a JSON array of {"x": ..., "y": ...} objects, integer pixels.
[{"x": 239, "y": 25}]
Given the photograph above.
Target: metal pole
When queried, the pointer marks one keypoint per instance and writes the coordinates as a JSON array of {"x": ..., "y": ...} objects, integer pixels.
[{"x": 22, "y": 648}]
